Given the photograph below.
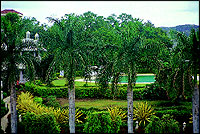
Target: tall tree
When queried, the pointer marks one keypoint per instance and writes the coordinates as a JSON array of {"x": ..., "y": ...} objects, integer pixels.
[
  {"x": 129, "y": 29},
  {"x": 190, "y": 50},
  {"x": 176, "y": 76},
  {"x": 12, "y": 45},
  {"x": 127, "y": 35},
  {"x": 67, "y": 41},
  {"x": 195, "y": 98}
]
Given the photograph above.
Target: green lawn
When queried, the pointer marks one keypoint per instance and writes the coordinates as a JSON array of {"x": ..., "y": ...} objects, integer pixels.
[
  {"x": 103, "y": 103},
  {"x": 62, "y": 82}
]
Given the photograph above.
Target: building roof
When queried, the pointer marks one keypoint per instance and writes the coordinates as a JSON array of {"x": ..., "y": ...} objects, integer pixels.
[{"x": 11, "y": 11}]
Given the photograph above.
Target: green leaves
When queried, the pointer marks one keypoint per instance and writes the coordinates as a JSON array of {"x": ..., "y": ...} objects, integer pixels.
[{"x": 142, "y": 113}]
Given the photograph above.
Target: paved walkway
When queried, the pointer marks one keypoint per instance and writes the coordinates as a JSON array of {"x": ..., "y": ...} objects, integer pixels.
[{"x": 4, "y": 120}]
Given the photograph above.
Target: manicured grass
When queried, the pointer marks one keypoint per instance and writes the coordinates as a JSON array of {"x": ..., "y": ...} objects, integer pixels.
[
  {"x": 60, "y": 82},
  {"x": 80, "y": 84},
  {"x": 103, "y": 103},
  {"x": 97, "y": 103}
]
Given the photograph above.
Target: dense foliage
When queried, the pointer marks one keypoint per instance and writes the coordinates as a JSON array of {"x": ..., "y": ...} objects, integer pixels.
[
  {"x": 4, "y": 110},
  {"x": 151, "y": 92},
  {"x": 44, "y": 123},
  {"x": 164, "y": 125},
  {"x": 115, "y": 45},
  {"x": 101, "y": 122},
  {"x": 26, "y": 103}
]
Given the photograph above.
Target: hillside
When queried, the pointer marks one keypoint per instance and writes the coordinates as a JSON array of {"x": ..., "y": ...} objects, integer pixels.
[{"x": 182, "y": 28}]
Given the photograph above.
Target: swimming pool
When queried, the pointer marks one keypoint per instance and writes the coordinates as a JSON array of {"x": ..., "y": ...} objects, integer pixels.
[{"x": 139, "y": 79}]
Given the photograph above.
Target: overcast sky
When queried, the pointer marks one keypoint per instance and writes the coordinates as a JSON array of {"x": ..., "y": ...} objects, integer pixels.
[{"x": 160, "y": 13}]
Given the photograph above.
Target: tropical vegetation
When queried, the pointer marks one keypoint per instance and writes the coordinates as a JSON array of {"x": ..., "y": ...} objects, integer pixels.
[{"x": 116, "y": 46}]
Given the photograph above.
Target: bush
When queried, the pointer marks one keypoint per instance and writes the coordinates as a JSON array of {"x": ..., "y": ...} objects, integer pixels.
[
  {"x": 142, "y": 113},
  {"x": 84, "y": 92},
  {"x": 144, "y": 70},
  {"x": 116, "y": 111},
  {"x": 38, "y": 82},
  {"x": 154, "y": 92},
  {"x": 25, "y": 103},
  {"x": 52, "y": 102},
  {"x": 98, "y": 122},
  {"x": 43, "y": 123},
  {"x": 164, "y": 125},
  {"x": 38, "y": 100},
  {"x": 4, "y": 110},
  {"x": 179, "y": 115},
  {"x": 154, "y": 126},
  {"x": 45, "y": 91},
  {"x": 116, "y": 124},
  {"x": 117, "y": 116}
]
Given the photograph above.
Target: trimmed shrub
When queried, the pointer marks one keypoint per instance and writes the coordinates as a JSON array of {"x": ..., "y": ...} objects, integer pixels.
[
  {"x": 98, "y": 122},
  {"x": 44, "y": 123},
  {"x": 84, "y": 92},
  {"x": 44, "y": 91},
  {"x": 164, "y": 125},
  {"x": 102, "y": 122},
  {"x": 179, "y": 115}
]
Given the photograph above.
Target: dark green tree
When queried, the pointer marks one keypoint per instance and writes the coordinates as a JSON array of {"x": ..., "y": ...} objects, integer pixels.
[
  {"x": 69, "y": 47},
  {"x": 129, "y": 41},
  {"x": 11, "y": 46}
]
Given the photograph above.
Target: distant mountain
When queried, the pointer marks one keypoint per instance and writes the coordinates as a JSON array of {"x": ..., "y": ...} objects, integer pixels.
[{"x": 182, "y": 28}]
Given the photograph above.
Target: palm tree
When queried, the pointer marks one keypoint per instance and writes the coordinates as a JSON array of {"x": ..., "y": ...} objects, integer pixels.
[
  {"x": 70, "y": 53},
  {"x": 126, "y": 36},
  {"x": 190, "y": 50},
  {"x": 11, "y": 46}
]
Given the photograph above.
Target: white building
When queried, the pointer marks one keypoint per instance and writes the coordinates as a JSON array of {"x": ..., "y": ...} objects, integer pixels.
[{"x": 32, "y": 46}]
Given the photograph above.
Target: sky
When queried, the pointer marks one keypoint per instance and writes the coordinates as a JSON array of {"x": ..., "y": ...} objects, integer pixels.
[{"x": 160, "y": 13}]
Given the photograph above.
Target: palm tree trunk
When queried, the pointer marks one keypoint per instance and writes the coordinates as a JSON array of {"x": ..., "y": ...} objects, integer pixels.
[
  {"x": 71, "y": 91},
  {"x": 130, "y": 105},
  {"x": 114, "y": 84},
  {"x": 195, "y": 109},
  {"x": 130, "y": 109},
  {"x": 13, "y": 109}
]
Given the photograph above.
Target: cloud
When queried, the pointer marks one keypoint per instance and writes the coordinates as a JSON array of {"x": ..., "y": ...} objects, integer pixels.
[{"x": 160, "y": 13}]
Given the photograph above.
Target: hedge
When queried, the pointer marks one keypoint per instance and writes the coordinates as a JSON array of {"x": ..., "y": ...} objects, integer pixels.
[
  {"x": 44, "y": 91},
  {"x": 83, "y": 92},
  {"x": 43, "y": 123}
]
